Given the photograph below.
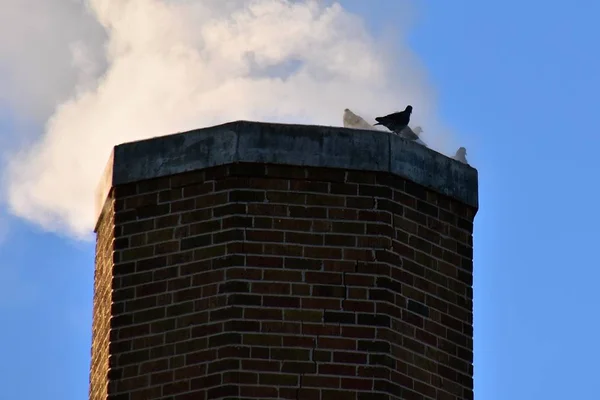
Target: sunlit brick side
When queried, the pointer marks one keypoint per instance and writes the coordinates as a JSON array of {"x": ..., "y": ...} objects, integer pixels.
[{"x": 102, "y": 304}]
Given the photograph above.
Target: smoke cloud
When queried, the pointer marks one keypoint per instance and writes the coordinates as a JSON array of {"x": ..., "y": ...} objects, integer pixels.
[{"x": 118, "y": 71}]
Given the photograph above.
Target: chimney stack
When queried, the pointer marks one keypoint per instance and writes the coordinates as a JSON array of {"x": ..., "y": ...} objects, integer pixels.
[{"x": 271, "y": 261}]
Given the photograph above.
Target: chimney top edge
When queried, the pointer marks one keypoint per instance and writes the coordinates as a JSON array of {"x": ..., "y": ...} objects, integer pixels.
[{"x": 288, "y": 144}]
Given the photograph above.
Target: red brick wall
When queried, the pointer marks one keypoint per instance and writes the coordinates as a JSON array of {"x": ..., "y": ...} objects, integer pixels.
[{"x": 272, "y": 282}]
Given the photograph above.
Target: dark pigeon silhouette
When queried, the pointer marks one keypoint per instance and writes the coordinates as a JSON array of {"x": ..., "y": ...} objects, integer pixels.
[{"x": 396, "y": 122}]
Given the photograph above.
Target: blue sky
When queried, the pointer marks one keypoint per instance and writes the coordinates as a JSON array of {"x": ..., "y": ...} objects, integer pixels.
[{"x": 518, "y": 82}]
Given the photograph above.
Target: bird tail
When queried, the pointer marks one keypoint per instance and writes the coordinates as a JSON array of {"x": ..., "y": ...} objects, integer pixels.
[{"x": 378, "y": 119}]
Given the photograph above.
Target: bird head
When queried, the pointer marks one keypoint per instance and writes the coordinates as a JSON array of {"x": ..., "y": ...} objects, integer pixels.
[
  {"x": 461, "y": 151},
  {"x": 408, "y": 109},
  {"x": 346, "y": 110}
]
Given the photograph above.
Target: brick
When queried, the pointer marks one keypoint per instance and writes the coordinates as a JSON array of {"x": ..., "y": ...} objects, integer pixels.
[
  {"x": 357, "y": 293},
  {"x": 281, "y": 301},
  {"x": 373, "y": 372},
  {"x": 229, "y": 235},
  {"x": 261, "y": 365},
  {"x": 303, "y": 315},
  {"x": 343, "y": 188},
  {"x": 262, "y": 223},
  {"x": 365, "y": 203},
  {"x": 418, "y": 308},
  {"x": 167, "y": 247},
  {"x": 321, "y": 381},
  {"x": 342, "y": 213},
  {"x": 180, "y": 258},
  {"x": 290, "y": 224},
  {"x": 264, "y": 235},
  {"x": 336, "y": 369},
  {"x": 131, "y": 280},
  {"x": 240, "y": 377},
  {"x": 340, "y": 317},
  {"x": 378, "y": 242},
  {"x": 373, "y": 319},
  {"x": 280, "y": 327},
  {"x": 299, "y": 341},
  {"x": 302, "y": 264},
  {"x": 321, "y": 226},
  {"x": 389, "y": 309},
  {"x": 363, "y": 255},
  {"x": 223, "y": 391},
  {"x": 278, "y": 379},
  {"x": 349, "y": 357},
  {"x": 259, "y": 313},
  {"x": 349, "y": 227},
  {"x": 340, "y": 240},
  {"x": 271, "y": 288},
  {"x": 223, "y": 365},
  {"x": 358, "y": 332},
  {"x": 150, "y": 263},
  {"x": 285, "y": 197},
  {"x": 358, "y": 306},
  {"x": 325, "y": 200},
  {"x": 296, "y": 367},
  {"x": 322, "y": 303},
  {"x": 243, "y": 274},
  {"x": 161, "y": 377},
  {"x": 301, "y": 289},
  {"x": 286, "y": 250},
  {"x": 357, "y": 384},
  {"x": 275, "y": 210},
  {"x": 374, "y": 191},
  {"x": 282, "y": 275},
  {"x": 304, "y": 238},
  {"x": 337, "y": 343},
  {"x": 329, "y": 291},
  {"x": 332, "y": 278},
  {"x": 339, "y": 266},
  {"x": 259, "y": 391},
  {"x": 246, "y": 195},
  {"x": 323, "y": 252},
  {"x": 224, "y": 314},
  {"x": 322, "y": 356}
]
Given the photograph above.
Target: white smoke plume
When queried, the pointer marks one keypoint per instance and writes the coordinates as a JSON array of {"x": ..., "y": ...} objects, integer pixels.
[{"x": 126, "y": 70}]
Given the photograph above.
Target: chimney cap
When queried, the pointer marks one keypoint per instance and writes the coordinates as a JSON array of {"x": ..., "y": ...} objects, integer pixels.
[{"x": 289, "y": 144}]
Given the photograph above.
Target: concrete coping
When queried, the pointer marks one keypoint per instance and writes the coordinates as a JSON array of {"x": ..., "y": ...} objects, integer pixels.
[{"x": 288, "y": 144}]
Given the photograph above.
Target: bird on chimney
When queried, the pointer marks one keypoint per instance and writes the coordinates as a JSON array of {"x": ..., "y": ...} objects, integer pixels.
[
  {"x": 413, "y": 134},
  {"x": 396, "y": 122},
  {"x": 354, "y": 121},
  {"x": 461, "y": 155}
]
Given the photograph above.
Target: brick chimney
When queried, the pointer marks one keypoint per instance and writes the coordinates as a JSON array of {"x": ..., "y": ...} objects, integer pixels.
[{"x": 270, "y": 261}]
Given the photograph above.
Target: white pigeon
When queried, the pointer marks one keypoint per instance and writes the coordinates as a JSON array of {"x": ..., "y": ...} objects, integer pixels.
[
  {"x": 354, "y": 121},
  {"x": 412, "y": 134},
  {"x": 461, "y": 155}
]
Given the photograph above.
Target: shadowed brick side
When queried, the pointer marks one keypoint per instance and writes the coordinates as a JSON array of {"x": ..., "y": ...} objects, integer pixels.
[{"x": 261, "y": 281}]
